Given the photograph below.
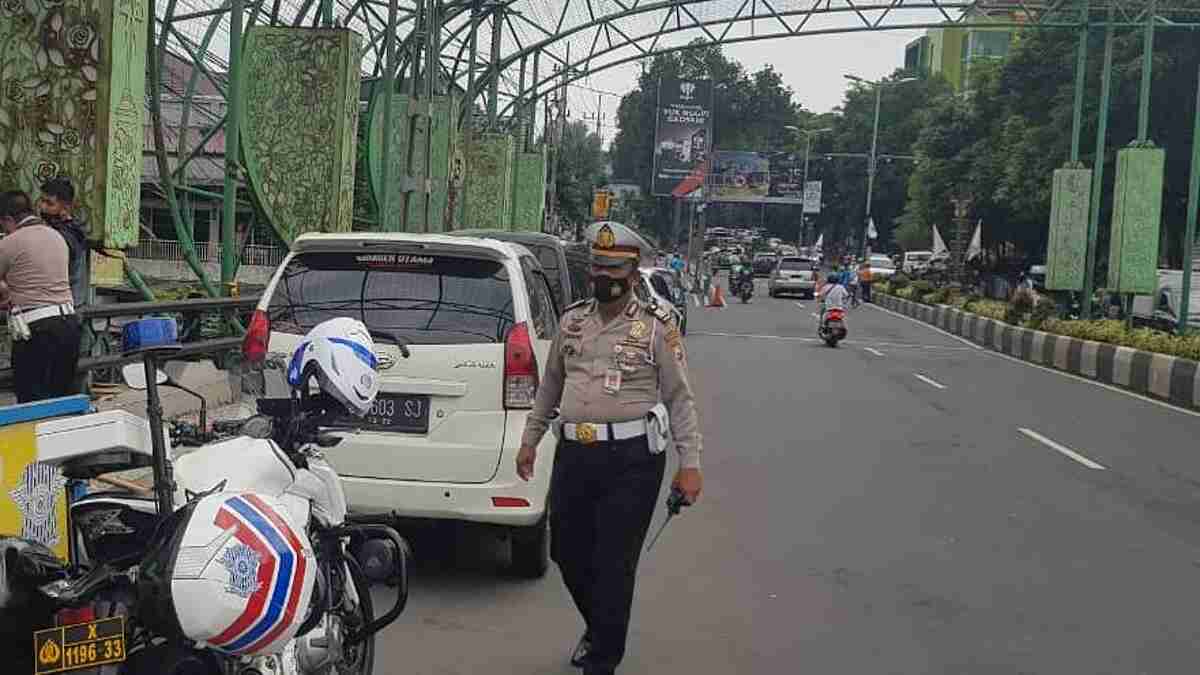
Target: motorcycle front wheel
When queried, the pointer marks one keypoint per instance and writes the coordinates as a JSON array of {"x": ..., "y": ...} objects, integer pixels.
[{"x": 358, "y": 658}]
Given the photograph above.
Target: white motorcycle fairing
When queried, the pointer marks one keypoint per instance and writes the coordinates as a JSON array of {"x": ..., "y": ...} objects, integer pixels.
[
  {"x": 246, "y": 463},
  {"x": 243, "y": 574}
]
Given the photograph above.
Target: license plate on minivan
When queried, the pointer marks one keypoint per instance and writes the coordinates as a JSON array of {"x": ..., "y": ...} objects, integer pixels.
[{"x": 404, "y": 413}]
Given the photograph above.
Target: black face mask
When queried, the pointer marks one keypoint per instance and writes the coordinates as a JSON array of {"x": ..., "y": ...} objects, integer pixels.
[{"x": 606, "y": 289}]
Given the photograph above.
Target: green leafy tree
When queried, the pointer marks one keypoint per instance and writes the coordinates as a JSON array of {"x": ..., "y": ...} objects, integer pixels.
[{"x": 580, "y": 172}]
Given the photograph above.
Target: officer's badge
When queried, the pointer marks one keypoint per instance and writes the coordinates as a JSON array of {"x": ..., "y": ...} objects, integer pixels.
[
  {"x": 569, "y": 349},
  {"x": 638, "y": 330},
  {"x": 606, "y": 238},
  {"x": 242, "y": 563},
  {"x": 632, "y": 310}
]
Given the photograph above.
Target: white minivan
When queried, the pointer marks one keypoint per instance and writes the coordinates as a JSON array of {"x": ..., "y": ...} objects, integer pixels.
[{"x": 462, "y": 329}]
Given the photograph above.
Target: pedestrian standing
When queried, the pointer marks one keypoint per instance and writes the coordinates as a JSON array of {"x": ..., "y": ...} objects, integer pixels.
[
  {"x": 34, "y": 284},
  {"x": 618, "y": 372},
  {"x": 865, "y": 280},
  {"x": 56, "y": 206}
]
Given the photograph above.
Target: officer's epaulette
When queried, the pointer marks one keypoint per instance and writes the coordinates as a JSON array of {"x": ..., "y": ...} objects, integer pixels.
[
  {"x": 576, "y": 305},
  {"x": 659, "y": 312}
]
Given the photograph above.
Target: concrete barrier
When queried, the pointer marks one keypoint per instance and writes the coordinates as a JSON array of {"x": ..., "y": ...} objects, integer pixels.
[{"x": 1167, "y": 378}]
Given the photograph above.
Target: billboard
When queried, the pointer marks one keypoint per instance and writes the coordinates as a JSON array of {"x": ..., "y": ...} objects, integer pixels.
[
  {"x": 760, "y": 177},
  {"x": 683, "y": 132}
]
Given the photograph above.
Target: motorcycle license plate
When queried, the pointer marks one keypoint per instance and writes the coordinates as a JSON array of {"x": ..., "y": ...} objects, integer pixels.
[
  {"x": 403, "y": 413},
  {"x": 82, "y": 645}
]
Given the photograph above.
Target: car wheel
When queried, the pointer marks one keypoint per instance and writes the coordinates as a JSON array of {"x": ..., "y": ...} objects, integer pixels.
[{"x": 531, "y": 549}]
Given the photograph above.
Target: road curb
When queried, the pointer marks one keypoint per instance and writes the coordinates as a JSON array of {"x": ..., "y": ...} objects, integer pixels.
[{"x": 1166, "y": 378}]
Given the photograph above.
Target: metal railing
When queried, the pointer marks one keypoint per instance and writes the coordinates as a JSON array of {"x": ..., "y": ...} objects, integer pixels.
[
  {"x": 203, "y": 331},
  {"x": 166, "y": 249}
]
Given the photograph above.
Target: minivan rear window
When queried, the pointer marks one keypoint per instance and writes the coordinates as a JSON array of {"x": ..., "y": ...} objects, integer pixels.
[
  {"x": 794, "y": 264},
  {"x": 423, "y": 299}
]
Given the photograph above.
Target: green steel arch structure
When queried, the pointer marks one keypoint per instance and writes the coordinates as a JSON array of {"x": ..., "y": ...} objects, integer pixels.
[{"x": 502, "y": 59}]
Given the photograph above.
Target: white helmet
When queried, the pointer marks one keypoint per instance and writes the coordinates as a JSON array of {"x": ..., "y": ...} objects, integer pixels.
[{"x": 341, "y": 353}]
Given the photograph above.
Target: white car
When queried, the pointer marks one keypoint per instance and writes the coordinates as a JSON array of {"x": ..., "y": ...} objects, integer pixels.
[
  {"x": 882, "y": 267},
  {"x": 462, "y": 330}
]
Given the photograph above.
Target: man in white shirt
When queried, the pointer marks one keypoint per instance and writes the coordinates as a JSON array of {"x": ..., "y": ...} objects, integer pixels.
[{"x": 833, "y": 294}]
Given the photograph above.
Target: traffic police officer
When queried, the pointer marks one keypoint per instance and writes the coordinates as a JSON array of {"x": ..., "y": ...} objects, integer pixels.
[{"x": 614, "y": 359}]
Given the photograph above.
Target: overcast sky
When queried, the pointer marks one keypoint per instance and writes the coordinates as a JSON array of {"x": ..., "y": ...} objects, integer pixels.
[{"x": 813, "y": 66}]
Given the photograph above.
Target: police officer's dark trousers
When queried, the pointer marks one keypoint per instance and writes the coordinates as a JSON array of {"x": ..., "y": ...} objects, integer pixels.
[
  {"x": 44, "y": 365},
  {"x": 603, "y": 498}
]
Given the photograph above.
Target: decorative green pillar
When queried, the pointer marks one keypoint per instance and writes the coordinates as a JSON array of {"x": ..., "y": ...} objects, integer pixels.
[
  {"x": 391, "y": 152},
  {"x": 1137, "y": 213},
  {"x": 72, "y": 91},
  {"x": 1066, "y": 254},
  {"x": 529, "y": 190},
  {"x": 299, "y": 125},
  {"x": 488, "y": 188}
]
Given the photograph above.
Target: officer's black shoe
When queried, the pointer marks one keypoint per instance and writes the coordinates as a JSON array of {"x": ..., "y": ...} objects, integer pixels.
[{"x": 579, "y": 656}]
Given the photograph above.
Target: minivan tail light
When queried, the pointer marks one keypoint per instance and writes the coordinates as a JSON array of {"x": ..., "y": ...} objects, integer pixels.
[
  {"x": 520, "y": 368},
  {"x": 258, "y": 334}
]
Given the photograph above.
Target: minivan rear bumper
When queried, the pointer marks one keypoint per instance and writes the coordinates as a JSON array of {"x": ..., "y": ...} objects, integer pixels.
[
  {"x": 447, "y": 501},
  {"x": 471, "y": 502}
]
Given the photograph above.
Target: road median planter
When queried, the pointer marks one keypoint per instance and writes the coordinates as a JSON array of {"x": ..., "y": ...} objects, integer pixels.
[{"x": 1167, "y": 378}]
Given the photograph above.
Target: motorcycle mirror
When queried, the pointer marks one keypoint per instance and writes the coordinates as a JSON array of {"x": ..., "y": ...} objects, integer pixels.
[{"x": 134, "y": 375}]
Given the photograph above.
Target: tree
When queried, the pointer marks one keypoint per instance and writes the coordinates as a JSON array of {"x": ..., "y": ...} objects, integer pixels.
[{"x": 580, "y": 171}]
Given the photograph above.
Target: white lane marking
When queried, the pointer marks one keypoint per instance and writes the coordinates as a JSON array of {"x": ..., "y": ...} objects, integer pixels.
[
  {"x": 1061, "y": 448},
  {"x": 696, "y": 299},
  {"x": 948, "y": 334},
  {"x": 876, "y": 352},
  {"x": 814, "y": 315},
  {"x": 800, "y": 305},
  {"x": 928, "y": 381},
  {"x": 1072, "y": 376}
]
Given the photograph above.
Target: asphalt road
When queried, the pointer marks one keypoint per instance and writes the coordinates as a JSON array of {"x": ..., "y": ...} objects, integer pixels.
[{"x": 875, "y": 508}]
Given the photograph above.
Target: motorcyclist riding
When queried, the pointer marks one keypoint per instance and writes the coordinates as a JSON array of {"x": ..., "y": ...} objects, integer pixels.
[{"x": 833, "y": 295}]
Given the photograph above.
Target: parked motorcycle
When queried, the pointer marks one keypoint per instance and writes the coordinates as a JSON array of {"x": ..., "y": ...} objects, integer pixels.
[
  {"x": 833, "y": 326},
  {"x": 245, "y": 565}
]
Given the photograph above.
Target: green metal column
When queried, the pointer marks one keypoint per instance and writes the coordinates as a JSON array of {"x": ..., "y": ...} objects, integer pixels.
[
  {"x": 1089, "y": 272},
  {"x": 494, "y": 82},
  {"x": 1147, "y": 71},
  {"x": 1189, "y": 237},
  {"x": 472, "y": 54},
  {"x": 229, "y": 250},
  {"x": 1080, "y": 79},
  {"x": 386, "y": 203}
]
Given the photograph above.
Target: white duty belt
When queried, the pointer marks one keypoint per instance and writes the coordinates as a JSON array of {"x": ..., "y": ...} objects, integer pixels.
[
  {"x": 39, "y": 313},
  {"x": 588, "y": 432}
]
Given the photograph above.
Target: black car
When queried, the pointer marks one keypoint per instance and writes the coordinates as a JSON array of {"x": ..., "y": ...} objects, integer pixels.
[
  {"x": 550, "y": 251},
  {"x": 763, "y": 265}
]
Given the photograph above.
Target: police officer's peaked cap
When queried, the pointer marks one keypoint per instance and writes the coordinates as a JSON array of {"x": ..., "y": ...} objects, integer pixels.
[{"x": 614, "y": 244}]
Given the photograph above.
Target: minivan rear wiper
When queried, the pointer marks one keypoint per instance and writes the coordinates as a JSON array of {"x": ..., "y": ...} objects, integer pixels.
[{"x": 394, "y": 338}]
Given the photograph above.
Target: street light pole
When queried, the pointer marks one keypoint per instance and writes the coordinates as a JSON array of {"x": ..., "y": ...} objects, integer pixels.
[
  {"x": 808, "y": 134},
  {"x": 871, "y": 167},
  {"x": 873, "y": 159}
]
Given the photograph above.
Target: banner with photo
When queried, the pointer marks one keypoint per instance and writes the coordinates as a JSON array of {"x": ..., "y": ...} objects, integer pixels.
[
  {"x": 760, "y": 177},
  {"x": 683, "y": 132}
]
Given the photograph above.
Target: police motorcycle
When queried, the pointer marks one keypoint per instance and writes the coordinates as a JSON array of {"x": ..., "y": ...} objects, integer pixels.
[{"x": 254, "y": 570}]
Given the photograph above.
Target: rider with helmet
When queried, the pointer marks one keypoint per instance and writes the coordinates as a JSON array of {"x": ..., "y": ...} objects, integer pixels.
[{"x": 833, "y": 295}]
